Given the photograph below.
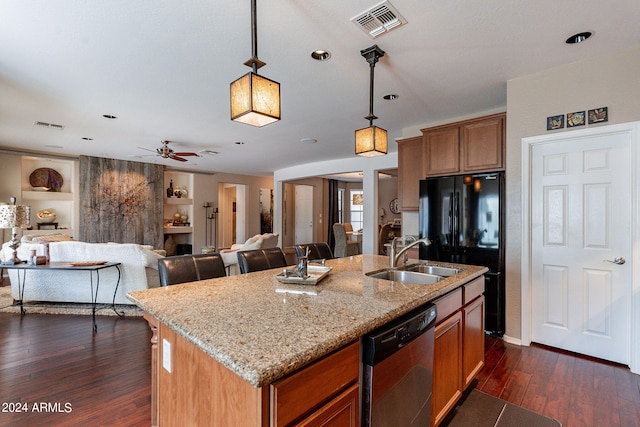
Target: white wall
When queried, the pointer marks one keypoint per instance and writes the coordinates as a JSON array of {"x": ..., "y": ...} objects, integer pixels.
[{"x": 611, "y": 81}]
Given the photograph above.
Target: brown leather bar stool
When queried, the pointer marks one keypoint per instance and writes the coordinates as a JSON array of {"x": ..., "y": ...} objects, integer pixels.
[
  {"x": 189, "y": 268},
  {"x": 261, "y": 259},
  {"x": 317, "y": 251}
]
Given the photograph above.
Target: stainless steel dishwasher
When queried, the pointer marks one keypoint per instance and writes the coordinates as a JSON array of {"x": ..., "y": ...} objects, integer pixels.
[{"x": 397, "y": 371}]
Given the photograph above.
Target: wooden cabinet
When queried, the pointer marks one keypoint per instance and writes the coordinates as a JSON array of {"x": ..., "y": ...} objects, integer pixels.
[
  {"x": 410, "y": 172},
  {"x": 442, "y": 151},
  {"x": 189, "y": 387},
  {"x": 482, "y": 144},
  {"x": 470, "y": 146},
  {"x": 475, "y": 145},
  {"x": 447, "y": 367},
  {"x": 473, "y": 339},
  {"x": 320, "y": 385},
  {"x": 458, "y": 347}
]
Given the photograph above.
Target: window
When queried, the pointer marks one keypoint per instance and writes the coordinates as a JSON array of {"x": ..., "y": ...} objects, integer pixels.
[{"x": 356, "y": 209}]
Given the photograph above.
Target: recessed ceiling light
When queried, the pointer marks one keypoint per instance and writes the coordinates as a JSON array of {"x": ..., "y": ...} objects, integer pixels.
[
  {"x": 86, "y": 138},
  {"x": 321, "y": 55},
  {"x": 53, "y": 146},
  {"x": 209, "y": 152},
  {"x": 308, "y": 140},
  {"x": 391, "y": 97},
  {"x": 578, "y": 38},
  {"x": 109, "y": 116}
]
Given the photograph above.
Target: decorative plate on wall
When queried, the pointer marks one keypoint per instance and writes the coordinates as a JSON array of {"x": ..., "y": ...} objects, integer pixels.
[
  {"x": 46, "y": 177},
  {"x": 393, "y": 206}
]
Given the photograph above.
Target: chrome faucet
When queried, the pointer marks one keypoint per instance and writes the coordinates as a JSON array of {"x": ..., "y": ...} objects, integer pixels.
[{"x": 394, "y": 257}]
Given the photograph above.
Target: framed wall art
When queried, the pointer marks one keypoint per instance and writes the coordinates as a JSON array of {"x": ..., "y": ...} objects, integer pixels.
[
  {"x": 575, "y": 119},
  {"x": 598, "y": 115},
  {"x": 555, "y": 122}
]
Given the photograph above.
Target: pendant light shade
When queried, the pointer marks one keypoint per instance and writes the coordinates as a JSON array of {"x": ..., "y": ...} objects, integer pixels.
[
  {"x": 371, "y": 141},
  {"x": 255, "y": 100}
]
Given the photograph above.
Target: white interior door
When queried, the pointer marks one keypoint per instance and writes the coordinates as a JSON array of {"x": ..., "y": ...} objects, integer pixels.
[
  {"x": 303, "y": 211},
  {"x": 580, "y": 218}
]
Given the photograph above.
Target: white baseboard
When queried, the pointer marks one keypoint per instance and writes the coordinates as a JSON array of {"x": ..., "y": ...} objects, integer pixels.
[{"x": 512, "y": 340}]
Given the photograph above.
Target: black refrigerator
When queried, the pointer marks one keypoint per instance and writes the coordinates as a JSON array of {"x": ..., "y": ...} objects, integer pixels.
[{"x": 463, "y": 217}]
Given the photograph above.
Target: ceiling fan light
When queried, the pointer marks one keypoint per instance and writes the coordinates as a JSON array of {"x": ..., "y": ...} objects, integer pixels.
[
  {"x": 255, "y": 100},
  {"x": 371, "y": 141}
]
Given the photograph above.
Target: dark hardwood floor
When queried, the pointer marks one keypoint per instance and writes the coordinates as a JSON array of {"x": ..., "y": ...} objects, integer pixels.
[
  {"x": 576, "y": 390},
  {"x": 80, "y": 378},
  {"x": 105, "y": 377}
]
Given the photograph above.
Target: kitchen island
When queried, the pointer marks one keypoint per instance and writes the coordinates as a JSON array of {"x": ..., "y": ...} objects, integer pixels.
[{"x": 257, "y": 332}]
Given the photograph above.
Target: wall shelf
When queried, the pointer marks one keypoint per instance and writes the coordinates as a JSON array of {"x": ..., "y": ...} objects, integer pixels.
[
  {"x": 178, "y": 230},
  {"x": 178, "y": 201},
  {"x": 46, "y": 195}
]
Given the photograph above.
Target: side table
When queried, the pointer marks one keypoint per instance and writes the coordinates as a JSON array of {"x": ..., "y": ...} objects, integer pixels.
[{"x": 92, "y": 269}]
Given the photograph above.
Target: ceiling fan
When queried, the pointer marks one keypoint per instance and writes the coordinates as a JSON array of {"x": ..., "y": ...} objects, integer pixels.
[{"x": 167, "y": 152}]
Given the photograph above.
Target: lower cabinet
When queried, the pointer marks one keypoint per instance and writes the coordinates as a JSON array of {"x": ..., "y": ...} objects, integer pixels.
[
  {"x": 447, "y": 367},
  {"x": 324, "y": 393},
  {"x": 189, "y": 387},
  {"x": 458, "y": 347}
]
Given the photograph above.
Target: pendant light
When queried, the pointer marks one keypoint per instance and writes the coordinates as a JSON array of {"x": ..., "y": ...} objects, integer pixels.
[
  {"x": 255, "y": 100},
  {"x": 371, "y": 141}
]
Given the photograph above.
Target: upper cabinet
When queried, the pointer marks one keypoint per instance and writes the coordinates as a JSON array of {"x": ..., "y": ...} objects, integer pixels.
[
  {"x": 475, "y": 145},
  {"x": 410, "y": 172},
  {"x": 470, "y": 146},
  {"x": 482, "y": 144}
]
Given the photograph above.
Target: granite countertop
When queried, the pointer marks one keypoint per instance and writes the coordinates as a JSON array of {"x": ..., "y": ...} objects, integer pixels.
[{"x": 257, "y": 330}]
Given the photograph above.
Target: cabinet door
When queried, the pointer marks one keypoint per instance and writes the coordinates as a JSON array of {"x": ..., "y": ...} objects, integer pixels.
[
  {"x": 473, "y": 339},
  {"x": 296, "y": 396},
  {"x": 483, "y": 145},
  {"x": 442, "y": 151},
  {"x": 342, "y": 411},
  {"x": 410, "y": 172},
  {"x": 447, "y": 367}
]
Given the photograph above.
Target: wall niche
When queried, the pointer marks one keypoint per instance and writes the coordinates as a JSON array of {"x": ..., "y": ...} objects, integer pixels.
[{"x": 121, "y": 201}]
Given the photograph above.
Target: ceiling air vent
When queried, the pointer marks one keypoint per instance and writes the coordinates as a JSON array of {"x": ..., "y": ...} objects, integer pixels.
[
  {"x": 379, "y": 19},
  {"x": 49, "y": 125}
]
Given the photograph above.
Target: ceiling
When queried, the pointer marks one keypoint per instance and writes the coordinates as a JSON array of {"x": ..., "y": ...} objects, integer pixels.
[{"x": 163, "y": 68}]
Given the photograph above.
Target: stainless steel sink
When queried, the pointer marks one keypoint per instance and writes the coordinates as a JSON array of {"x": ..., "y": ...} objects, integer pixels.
[
  {"x": 404, "y": 276},
  {"x": 432, "y": 269}
]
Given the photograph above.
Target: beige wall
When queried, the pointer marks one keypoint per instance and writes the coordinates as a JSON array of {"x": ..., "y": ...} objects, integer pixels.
[{"x": 611, "y": 81}]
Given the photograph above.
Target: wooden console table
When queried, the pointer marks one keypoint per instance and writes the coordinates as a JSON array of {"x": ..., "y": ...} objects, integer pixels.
[{"x": 95, "y": 268}]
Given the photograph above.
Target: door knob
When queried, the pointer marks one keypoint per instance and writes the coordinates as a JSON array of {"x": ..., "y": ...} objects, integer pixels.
[{"x": 619, "y": 260}]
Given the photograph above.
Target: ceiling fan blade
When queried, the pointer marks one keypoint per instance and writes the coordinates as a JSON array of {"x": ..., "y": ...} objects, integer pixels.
[
  {"x": 147, "y": 149},
  {"x": 186, "y": 153},
  {"x": 180, "y": 159}
]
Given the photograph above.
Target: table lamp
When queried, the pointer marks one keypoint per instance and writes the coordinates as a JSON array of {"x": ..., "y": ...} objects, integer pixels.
[{"x": 14, "y": 217}]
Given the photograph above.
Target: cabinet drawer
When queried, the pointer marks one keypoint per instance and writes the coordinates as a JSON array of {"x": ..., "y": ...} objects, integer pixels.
[
  {"x": 302, "y": 391},
  {"x": 473, "y": 290},
  {"x": 448, "y": 304}
]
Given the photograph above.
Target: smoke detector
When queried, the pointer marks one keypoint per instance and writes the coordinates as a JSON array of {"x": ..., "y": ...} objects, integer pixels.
[{"x": 379, "y": 19}]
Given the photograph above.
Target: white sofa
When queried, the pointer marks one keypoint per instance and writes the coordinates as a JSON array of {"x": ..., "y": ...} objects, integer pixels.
[{"x": 139, "y": 270}]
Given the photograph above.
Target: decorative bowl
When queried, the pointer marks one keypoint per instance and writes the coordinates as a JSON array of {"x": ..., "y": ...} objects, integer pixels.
[{"x": 46, "y": 216}]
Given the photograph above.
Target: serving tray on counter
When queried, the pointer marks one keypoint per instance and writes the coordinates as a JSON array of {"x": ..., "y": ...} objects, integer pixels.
[{"x": 315, "y": 273}]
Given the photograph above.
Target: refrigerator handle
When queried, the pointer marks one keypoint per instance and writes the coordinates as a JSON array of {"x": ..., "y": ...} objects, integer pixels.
[
  {"x": 451, "y": 220},
  {"x": 456, "y": 219}
]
